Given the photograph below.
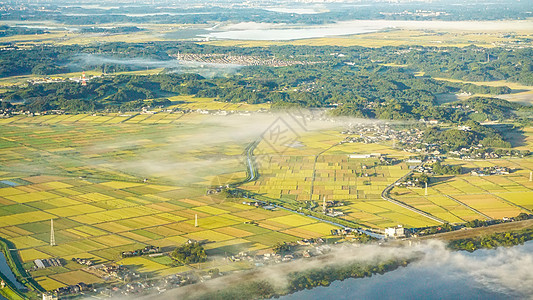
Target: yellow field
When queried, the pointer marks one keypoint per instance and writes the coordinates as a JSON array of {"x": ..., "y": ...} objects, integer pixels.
[
  {"x": 100, "y": 208},
  {"x": 493, "y": 196}
]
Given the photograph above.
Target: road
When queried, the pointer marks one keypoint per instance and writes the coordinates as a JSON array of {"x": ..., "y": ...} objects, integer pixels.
[
  {"x": 253, "y": 173},
  {"x": 385, "y": 196}
]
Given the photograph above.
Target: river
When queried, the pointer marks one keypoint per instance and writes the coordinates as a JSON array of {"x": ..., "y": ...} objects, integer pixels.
[
  {"x": 6, "y": 271},
  {"x": 484, "y": 274}
]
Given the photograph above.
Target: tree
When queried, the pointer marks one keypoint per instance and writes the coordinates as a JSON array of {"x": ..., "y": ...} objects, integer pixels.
[
  {"x": 280, "y": 248},
  {"x": 190, "y": 253}
]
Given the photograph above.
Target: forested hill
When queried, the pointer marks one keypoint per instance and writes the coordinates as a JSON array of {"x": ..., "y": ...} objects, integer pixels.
[
  {"x": 361, "y": 82},
  {"x": 189, "y": 12},
  {"x": 468, "y": 63}
]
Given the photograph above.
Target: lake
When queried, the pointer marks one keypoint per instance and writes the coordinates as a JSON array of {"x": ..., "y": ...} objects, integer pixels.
[{"x": 280, "y": 32}]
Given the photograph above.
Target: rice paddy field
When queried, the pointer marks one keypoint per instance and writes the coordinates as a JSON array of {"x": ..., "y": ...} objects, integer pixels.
[
  {"x": 463, "y": 198},
  {"x": 195, "y": 103},
  {"x": 118, "y": 182},
  {"x": 88, "y": 173},
  {"x": 320, "y": 167}
]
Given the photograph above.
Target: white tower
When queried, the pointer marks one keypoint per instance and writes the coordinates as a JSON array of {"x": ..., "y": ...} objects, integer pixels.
[
  {"x": 324, "y": 204},
  {"x": 426, "y": 188},
  {"x": 196, "y": 220},
  {"x": 52, "y": 236}
]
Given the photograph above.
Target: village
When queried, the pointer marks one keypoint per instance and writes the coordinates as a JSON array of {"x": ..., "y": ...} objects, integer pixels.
[{"x": 241, "y": 60}]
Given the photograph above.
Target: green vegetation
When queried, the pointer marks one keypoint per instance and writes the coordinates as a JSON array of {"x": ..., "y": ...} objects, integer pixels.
[
  {"x": 114, "y": 180},
  {"x": 440, "y": 169},
  {"x": 243, "y": 291},
  {"x": 281, "y": 248},
  {"x": 325, "y": 276},
  {"x": 491, "y": 108},
  {"x": 15, "y": 264},
  {"x": 14, "y": 30},
  {"x": 473, "y": 134},
  {"x": 190, "y": 253},
  {"x": 308, "y": 279},
  {"x": 355, "y": 84},
  {"x": 62, "y": 12},
  {"x": 505, "y": 239}
]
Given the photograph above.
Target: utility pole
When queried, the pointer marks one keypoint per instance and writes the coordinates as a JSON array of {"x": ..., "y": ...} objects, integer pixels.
[{"x": 52, "y": 236}]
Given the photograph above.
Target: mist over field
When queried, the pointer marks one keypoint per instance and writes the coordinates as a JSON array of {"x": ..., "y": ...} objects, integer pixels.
[
  {"x": 207, "y": 70},
  {"x": 218, "y": 144}
]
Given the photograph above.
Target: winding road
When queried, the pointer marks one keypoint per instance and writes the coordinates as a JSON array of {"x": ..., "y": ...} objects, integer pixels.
[{"x": 385, "y": 196}]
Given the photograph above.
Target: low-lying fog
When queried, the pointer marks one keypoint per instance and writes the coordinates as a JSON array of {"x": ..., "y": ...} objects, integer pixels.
[
  {"x": 503, "y": 273},
  {"x": 208, "y": 70}
]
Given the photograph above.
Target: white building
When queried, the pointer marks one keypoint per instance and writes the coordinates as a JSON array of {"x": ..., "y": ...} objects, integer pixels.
[
  {"x": 48, "y": 296},
  {"x": 395, "y": 232}
]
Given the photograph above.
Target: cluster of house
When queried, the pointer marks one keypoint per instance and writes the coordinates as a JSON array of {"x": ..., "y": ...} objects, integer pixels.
[
  {"x": 410, "y": 182},
  {"x": 147, "y": 286},
  {"x": 333, "y": 212},
  {"x": 345, "y": 232},
  {"x": 131, "y": 283},
  {"x": 8, "y": 112},
  {"x": 261, "y": 204},
  {"x": 409, "y": 140},
  {"x": 418, "y": 13},
  {"x": 422, "y": 169},
  {"x": 269, "y": 258},
  {"x": 310, "y": 242},
  {"x": 487, "y": 171},
  {"x": 144, "y": 251},
  {"x": 216, "y": 190},
  {"x": 47, "y": 262},
  {"x": 334, "y": 203},
  {"x": 83, "y": 261},
  {"x": 46, "y": 80},
  {"x": 242, "y": 60},
  {"x": 478, "y": 152},
  {"x": 73, "y": 289},
  {"x": 134, "y": 287},
  {"x": 107, "y": 271},
  {"x": 311, "y": 247}
]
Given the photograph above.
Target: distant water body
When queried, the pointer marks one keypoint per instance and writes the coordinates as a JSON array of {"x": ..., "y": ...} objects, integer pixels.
[
  {"x": 483, "y": 274},
  {"x": 280, "y": 32}
]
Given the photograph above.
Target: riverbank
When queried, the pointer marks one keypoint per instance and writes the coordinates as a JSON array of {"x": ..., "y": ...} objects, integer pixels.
[
  {"x": 14, "y": 263},
  {"x": 479, "y": 231}
]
